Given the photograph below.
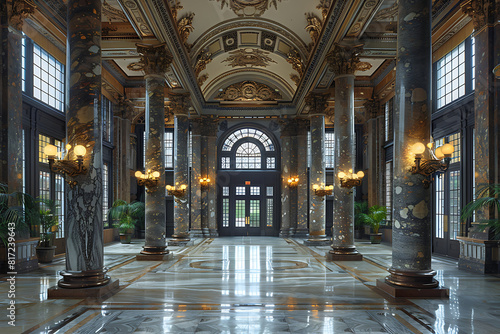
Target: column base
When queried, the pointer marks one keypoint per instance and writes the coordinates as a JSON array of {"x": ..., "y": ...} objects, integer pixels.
[
  {"x": 154, "y": 250},
  {"x": 404, "y": 292},
  {"x": 320, "y": 240},
  {"x": 214, "y": 233},
  {"x": 180, "y": 240},
  {"x": 97, "y": 292},
  {"x": 343, "y": 257},
  {"x": 301, "y": 233},
  {"x": 197, "y": 233},
  {"x": 417, "y": 279},
  {"x": 83, "y": 279},
  {"x": 284, "y": 233}
]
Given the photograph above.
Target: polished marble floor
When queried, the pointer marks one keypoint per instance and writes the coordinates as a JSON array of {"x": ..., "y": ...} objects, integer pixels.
[{"x": 253, "y": 285}]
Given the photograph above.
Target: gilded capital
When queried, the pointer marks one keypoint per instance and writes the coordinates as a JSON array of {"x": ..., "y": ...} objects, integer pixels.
[
  {"x": 155, "y": 59},
  {"x": 344, "y": 59},
  {"x": 208, "y": 125},
  {"x": 179, "y": 103},
  {"x": 20, "y": 10},
  {"x": 317, "y": 103},
  {"x": 482, "y": 12}
]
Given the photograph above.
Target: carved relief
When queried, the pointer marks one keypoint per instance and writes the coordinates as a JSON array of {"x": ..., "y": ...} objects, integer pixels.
[
  {"x": 179, "y": 103},
  {"x": 324, "y": 6},
  {"x": 248, "y": 57},
  {"x": 21, "y": 9},
  {"x": 313, "y": 27},
  {"x": 317, "y": 103},
  {"x": 293, "y": 57},
  {"x": 363, "y": 66},
  {"x": 295, "y": 78},
  {"x": 344, "y": 59},
  {"x": 155, "y": 59},
  {"x": 112, "y": 13},
  {"x": 248, "y": 91},
  {"x": 185, "y": 27},
  {"x": 175, "y": 7},
  {"x": 202, "y": 78},
  {"x": 203, "y": 59},
  {"x": 482, "y": 12},
  {"x": 249, "y": 7}
]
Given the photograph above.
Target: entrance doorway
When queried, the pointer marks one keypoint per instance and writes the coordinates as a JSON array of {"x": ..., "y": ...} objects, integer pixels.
[{"x": 248, "y": 184}]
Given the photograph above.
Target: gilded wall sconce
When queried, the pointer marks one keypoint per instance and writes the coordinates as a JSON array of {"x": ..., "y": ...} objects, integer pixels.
[
  {"x": 66, "y": 166},
  {"x": 350, "y": 179},
  {"x": 177, "y": 192},
  {"x": 439, "y": 161},
  {"x": 204, "y": 182},
  {"x": 149, "y": 180},
  {"x": 293, "y": 182},
  {"x": 322, "y": 191}
]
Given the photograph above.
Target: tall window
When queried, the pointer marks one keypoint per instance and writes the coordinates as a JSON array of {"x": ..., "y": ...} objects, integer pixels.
[
  {"x": 473, "y": 62},
  {"x": 48, "y": 78},
  {"x": 107, "y": 118},
  {"x": 248, "y": 156},
  {"x": 105, "y": 194},
  {"x": 388, "y": 190},
  {"x": 169, "y": 149},
  {"x": 329, "y": 149},
  {"x": 23, "y": 62},
  {"x": 451, "y": 76},
  {"x": 389, "y": 108}
]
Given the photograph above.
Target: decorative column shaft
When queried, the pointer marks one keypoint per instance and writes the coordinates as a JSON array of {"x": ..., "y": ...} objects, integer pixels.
[
  {"x": 155, "y": 61},
  {"x": 197, "y": 194},
  {"x": 209, "y": 164},
  {"x": 375, "y": 144},
  {"x": 411, "y": 233},
  {"x": 301, "y": 230},
  {"x": 121, "y": 154},
  {"x": 286, "y": 173},
  {"x": 343, "y": 61},
  {"x": 83, "y": 222}
]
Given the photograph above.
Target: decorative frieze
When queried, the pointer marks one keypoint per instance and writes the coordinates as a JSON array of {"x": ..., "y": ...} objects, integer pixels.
[
  {"x": 155, "y": 59},
  {"x": 482, "y": 12},
  {"x": 248, "y": 91}
]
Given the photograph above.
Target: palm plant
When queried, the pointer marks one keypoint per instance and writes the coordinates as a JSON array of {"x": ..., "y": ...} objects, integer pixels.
[
  {"x": 125, "y": 215},
  {"x": 359, "y": 208},
  {"x": 487, "y": 198},
  {"x": 376, "y": 214},
  {"x": 48, "y": 220},
  {"x": 17, "y": 212}
]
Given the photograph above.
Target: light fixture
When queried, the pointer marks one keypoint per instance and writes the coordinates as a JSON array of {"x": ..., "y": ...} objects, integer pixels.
[
  {"x": 204, "y": 182},
  {"x": 149, "y": 180},
  {"x": 293, "y": 182},
  {"x": 439, "y": 161},
  {"x": 350, "y": 179},
  {"x": 66, "y": 166},
  {"x": 176, "y": 192},
  {"x": 322, "y": 191}
]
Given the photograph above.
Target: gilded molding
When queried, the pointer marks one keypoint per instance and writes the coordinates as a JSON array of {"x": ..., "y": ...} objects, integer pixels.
[
  {"x": 248, "y": 91},
  {"x": 295, "y": 78},
  {"x": 202, "y": 78},
  {"x": 112, "y": 13},
  {"x": 201, "y": 64},
  {"x": 175, "y": 7},
  {"x": 293, "y": 57},
  {"x": 248, "y": 8},
  {"x": 185, "y": 27},
  {"x": 344, "y": 59},
  {"x": 155, "y": 59},
  {"x": 313, "y": 27},
  {"x": 324, "y": 7},
  {"x": 248, "y": 57},
  {"x": 362, "y": 18},
  {"x": 482, "y": 12},
  {"x": 21, "y": 9}
]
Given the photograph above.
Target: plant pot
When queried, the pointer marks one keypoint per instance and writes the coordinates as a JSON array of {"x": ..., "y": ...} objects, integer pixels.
[
  {"x": 125, "y": 238},
  {"x": 358, "y": 234},
  {"x": 45, "y": 254},
  {"x": 375, "y": 238}
]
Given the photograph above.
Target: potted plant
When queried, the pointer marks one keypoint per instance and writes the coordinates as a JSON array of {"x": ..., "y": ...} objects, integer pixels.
[
  {"x": 487, "y": 198},
  {"x": 124, "y": 216},
  {"x": 45, "y": 251},
  {"x": 374, "y": 218},
  {"x": 359, "y": 207}
]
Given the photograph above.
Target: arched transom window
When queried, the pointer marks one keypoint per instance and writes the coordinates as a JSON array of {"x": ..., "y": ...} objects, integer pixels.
[{"x": 248, "y": 148}]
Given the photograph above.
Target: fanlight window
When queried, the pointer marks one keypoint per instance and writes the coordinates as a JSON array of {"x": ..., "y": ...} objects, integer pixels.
[
  {"x": 252, "y": 133},
  {"x": 248, "y": 156}
]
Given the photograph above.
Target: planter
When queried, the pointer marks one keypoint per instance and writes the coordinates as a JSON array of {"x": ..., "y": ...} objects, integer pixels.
[
  {"x": 376, "y": 238},
  {"x": 45, "y": 254},
  {"x": 125, "y": 238}
]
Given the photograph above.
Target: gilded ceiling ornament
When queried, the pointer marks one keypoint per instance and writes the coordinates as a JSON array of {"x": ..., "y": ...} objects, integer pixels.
[
  {"x": 317, "y": 103},
  {"x": 203, "y": 59},
  {"x": 324, "y": 6},
  {"x": 295, "y": 78},
  {"x": 112, "y": 13},
  {"x": 293, "y": 57},
  {"x": 363, "y": 66},
  {"x": 21, "y": 9},
  {"x": 202, "y": 78},
  {"x": 175, "y": 7},
  {"x": 248, "y": 91},
  {"x": 313, "y": 27},
  {"x": 249, "y": 7},
  {"x": 155, "y": 59},
  {"x": 185, "y": 27},
  {"x": 482, "y": 12},
  {"x": 344, "y": 59},
  {"x": 179, "y": 103},
  {"x": 248, "y": 57}
]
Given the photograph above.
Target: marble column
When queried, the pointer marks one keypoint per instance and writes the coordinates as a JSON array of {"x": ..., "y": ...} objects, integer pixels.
[
  {"x": 301, "y": 230},
  {"x": 181, "y": 177},
  {"x": 121, "y": 153},
  {"x": 375, "y": 142},
  {"x": 343, "y": 61},
  {"x": 286, "y": 173},
  {"x": 11, "y": 114},
  {"x": 83, "y": 221},
  {"x": 209, "y": 164},
  {"x": 485, "y": 15},
  {"x": 411, "y": 232},
  {"x": 197, "y": 193},
  {"x": 317, "y": 235},
  {"x": 155, "y": 60}
]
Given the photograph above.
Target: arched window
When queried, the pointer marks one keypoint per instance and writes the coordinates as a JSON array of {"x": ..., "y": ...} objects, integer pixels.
[{"x": 248, "y": 156}]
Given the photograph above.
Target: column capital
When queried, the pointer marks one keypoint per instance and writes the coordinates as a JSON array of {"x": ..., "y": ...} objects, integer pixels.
[
  {"x": 179, "y": 103},
  {"x": 372, "y": 108},
  {"x": 207, "y": 125},
  {"x": 288, "y": 127},
  {"x": 344, "y": 59},
  {"x": 482, "y": 12},
  {"x": 317, "y": 102},
  {"x": 155, "y": 59},
  {"x": 20, "y": 10}
]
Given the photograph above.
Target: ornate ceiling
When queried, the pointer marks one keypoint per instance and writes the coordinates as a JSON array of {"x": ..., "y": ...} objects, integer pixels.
[{"x": 241, "y": 57}]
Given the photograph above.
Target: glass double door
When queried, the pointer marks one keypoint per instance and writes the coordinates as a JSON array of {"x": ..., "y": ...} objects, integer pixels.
[{"x": 248, "y": 205}]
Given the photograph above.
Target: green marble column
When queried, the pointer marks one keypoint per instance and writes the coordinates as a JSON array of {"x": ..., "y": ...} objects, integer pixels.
[
  {"x": 197, "y": 193},
  {"x": 302, "y": 230},
  {"x": 121, "y": 153},
  {"x": 286, "y": 172}
]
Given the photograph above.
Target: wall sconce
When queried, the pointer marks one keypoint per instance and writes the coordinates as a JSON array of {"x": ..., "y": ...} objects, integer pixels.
[
  {"x": 204, "y": 182},
  {"x": 66, "y": 166},
  {"x": 350, "y": 179},
  {"x": 293, "y": 182},
  {"x": 150, "y": 179},
  {"x": 439, "y": 162},
  {"x": 177, "y": 192},
  {"x": 322, "y": 191}
]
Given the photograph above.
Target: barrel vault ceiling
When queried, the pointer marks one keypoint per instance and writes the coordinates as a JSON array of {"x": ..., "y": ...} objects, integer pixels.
[{"x": 242, "y": 57}]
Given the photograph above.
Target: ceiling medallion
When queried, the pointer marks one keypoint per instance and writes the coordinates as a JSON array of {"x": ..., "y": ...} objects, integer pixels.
[
  {"x": 249, "y": 7},
  {"x": 248, "y": 57},
  {"x": 248, "y": 91}
]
